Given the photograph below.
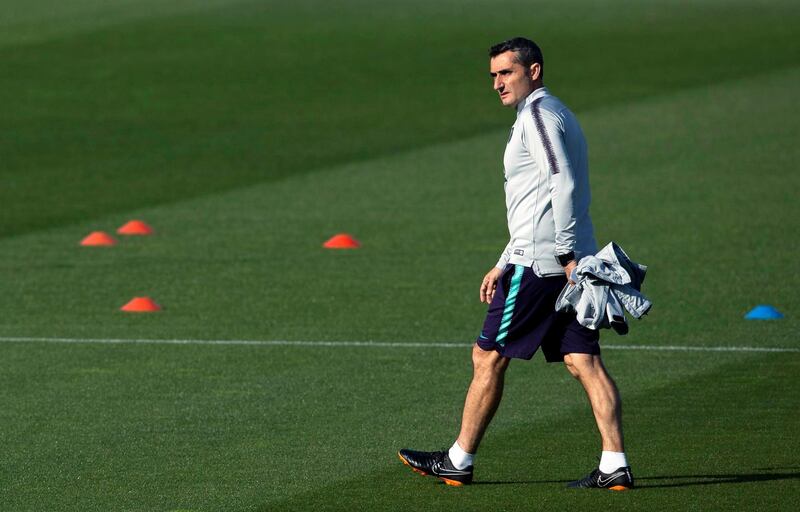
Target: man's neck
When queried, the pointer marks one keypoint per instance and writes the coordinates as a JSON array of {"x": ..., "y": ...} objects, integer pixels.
[{"x": 538, "y": 86}]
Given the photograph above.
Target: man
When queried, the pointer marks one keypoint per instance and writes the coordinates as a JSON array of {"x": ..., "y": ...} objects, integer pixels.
[{"x": 547, "y": 197}]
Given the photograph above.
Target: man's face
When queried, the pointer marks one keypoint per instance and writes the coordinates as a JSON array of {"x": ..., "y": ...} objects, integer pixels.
[{"x": 513, "y": 81}]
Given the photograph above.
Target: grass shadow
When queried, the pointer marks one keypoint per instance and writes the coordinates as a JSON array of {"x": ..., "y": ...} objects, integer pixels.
[
  {"x": 519, "y": 482},
  {"x": 666, "y": 481},
  {"x": 730, "y": 478}
]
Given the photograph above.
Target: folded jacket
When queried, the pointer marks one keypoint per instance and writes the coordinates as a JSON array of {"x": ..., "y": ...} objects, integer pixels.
[{"x": 606, "y": 285}]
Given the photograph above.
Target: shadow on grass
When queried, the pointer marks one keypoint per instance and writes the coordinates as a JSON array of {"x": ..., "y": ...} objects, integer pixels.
[
  {"x": 655, "y": 482},
  {"x": 689, "y": 480},
  {"x": 518, "y": 482}
]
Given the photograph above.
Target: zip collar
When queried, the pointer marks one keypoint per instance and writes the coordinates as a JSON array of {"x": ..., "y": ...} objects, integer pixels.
[{"x": 535, "y": 95}]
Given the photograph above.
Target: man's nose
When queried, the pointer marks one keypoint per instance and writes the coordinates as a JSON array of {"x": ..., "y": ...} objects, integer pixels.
[{"x": 498, "y": 84}]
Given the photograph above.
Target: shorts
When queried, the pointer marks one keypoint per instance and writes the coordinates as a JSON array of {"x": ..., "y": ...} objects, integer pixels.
[{"x": 522, "y": 317}]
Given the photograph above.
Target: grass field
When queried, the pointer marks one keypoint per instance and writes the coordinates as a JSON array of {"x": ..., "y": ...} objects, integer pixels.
[{"x": 247, "y": 133}]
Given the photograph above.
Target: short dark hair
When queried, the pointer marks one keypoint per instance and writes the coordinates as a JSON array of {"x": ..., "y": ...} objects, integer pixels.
[{"x": 526, "y": 51}]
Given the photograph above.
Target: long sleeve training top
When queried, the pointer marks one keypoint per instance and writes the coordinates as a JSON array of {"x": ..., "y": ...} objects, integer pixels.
[{"x": 547, "y": 186}]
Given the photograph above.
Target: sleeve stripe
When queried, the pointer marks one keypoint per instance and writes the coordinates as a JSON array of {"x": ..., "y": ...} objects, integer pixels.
[{"x": 548, "y": 146}]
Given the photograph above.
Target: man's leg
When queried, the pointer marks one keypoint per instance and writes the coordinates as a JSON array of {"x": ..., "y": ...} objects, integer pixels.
[
  {"x": 454, "y": 467},
  {"x": 483, "y": 396},
  {"x": 603, "y": 396},
  {"x": 613, "y": 472}
]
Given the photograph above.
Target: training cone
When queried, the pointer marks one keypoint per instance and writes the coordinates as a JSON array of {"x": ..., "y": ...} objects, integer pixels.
[
  {"x": 140, "y": 305},
  {"x": 135, "y": 227},
  {"x": 763, "y": 312},
  {"x": 342, "y": 241},
  {"x": 97, "y": 238}
]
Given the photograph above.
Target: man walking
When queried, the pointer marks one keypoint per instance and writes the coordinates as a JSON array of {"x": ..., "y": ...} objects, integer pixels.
[{"x": 547, "y": 198}]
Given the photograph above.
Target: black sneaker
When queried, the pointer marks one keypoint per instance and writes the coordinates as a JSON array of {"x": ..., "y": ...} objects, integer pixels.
[
  {"x": 437, "y": 464},
  {"x": 620, "y": 479}
]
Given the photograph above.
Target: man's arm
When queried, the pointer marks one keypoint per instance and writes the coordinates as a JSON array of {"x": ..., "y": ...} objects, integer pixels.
[
  {"x": 505, "y": 256},
  {"x": 551, "y": 154}
]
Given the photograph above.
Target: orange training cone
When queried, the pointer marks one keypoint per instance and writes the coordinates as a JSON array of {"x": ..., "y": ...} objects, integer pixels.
[
  {"x": 140, "y": 305},
  {"x": 342, "y": 241},
  {"x": 135, "y": 227},
  {"x": 96, "y": 238}
]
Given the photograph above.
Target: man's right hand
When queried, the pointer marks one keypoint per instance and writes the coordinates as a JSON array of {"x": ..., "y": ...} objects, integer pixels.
[{"x": 489, "y": 284}]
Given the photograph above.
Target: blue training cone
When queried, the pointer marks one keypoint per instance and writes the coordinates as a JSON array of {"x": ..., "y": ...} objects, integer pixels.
[{"x": 763, "y": 312}]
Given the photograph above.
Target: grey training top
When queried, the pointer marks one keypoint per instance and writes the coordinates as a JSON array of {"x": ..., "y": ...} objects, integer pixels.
[{"x": 547, "y": 186}]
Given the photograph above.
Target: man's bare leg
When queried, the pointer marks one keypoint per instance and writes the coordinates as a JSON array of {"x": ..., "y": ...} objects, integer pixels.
[
  {"x": 483, "y": 397},
  {"x": 613, "y": 472},
  {"x": 603, "y": 396},
  {"x": 454, "y": 467}
]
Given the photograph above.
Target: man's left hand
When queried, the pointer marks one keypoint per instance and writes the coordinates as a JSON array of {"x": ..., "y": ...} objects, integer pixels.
[{"x": 568, "y": 270}]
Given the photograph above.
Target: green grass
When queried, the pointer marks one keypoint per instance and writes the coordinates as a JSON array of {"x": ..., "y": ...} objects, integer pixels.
[
  {"x": 247, "y": 133},
  {"x": 166, "y": 428},
  {"x": 147, "y": 108}
]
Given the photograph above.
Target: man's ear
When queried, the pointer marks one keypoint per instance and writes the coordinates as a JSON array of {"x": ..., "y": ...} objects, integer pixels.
[{"x": 536, "y": 71}]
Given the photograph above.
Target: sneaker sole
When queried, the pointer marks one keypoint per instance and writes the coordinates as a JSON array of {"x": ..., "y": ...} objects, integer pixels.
[
  {"x": 619, "y": 488},
  {"x": 454, "y": 483}
]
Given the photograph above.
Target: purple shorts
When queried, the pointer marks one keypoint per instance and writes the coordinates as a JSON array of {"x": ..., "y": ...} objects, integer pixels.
[{"x": 522, "y": 318}]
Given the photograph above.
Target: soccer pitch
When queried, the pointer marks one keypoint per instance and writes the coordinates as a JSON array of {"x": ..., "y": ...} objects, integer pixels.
[{"x": 247, "y": 133}]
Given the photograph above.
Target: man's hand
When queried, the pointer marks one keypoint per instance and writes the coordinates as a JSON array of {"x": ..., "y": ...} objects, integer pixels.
[
  {"x": 489, "y": 284},
  {"x": 568, "y": 270}
]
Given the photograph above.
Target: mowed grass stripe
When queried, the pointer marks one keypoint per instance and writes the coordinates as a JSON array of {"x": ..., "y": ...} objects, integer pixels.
[
  {"x": 25, "y": 23},
  {"x": 31, "y": 22},
  {"x": 373, "y": 344},
  {"x": 615, "y": 148}
]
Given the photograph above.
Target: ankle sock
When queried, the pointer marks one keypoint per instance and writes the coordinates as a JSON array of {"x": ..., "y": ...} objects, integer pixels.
[
  {"x": 611, "y": 461},
  {"x": 459, "y": 457}
]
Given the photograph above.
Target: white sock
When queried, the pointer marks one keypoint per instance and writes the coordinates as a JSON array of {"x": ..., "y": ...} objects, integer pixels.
[
  {"x": 612, "y": 461},
  {"x": 459, "y": 457}
]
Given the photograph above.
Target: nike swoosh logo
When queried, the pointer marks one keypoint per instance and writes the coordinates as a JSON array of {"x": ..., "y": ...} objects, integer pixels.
[
  {"x": 438, "y": 470},
  {"x": 603, "y": 483},
  {"x": 483, "y": 337}
]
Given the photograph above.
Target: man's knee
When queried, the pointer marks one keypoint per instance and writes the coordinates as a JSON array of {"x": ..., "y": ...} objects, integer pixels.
[
  {"x": 569, "y": 364},
  {"x": 488, "y": 362},
  {"x": 583, "y": 365}
]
